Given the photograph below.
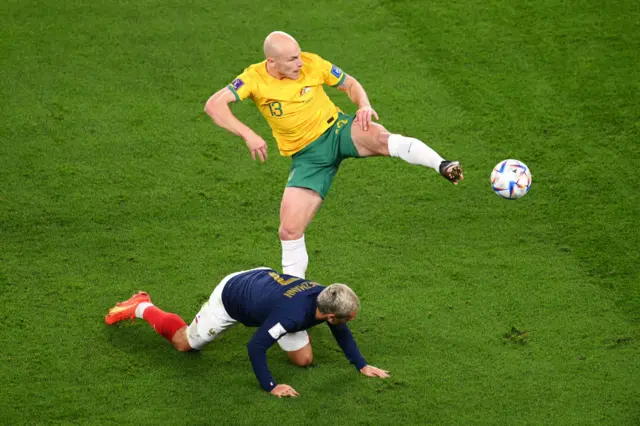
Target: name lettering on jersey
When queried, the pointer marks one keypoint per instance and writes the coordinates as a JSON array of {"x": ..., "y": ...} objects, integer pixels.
[
  {"x": 277, "y": 278},
  {"x": 336, "y": 71},
  {"x": 299, "y": 288},
  {"x": 237, "y": 83}
]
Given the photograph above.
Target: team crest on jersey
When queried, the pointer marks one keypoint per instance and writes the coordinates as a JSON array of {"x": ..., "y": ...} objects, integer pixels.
[
  {"x": 237, "y": 83},
  {"x": 336, "y": 71},
  {"x": 305, "y": 90}
]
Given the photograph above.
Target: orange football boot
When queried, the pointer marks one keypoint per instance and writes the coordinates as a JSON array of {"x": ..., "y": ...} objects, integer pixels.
[{"x": 127, "y": 309}]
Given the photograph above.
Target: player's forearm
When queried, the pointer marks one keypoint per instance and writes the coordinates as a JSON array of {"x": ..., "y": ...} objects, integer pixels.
[
  {"x": 357, "y": 94},
  {"x": 221, "y": 114},
  {"x": 258, "y": 357},
  {"x": 345, "y": 340}
]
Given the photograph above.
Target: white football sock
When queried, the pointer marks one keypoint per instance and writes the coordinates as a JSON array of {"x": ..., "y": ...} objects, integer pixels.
[
  {"x": 294, "y": 257},
  {"x": 414, "y": 151},
  {"x": 141, "y": 307}
]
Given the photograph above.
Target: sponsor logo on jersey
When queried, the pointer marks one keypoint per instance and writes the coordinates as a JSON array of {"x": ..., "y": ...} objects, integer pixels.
[
  {"x": 305, "y": 90},
  {"x": 336, "y": 71},
  {"x": 237, "y": 83}
]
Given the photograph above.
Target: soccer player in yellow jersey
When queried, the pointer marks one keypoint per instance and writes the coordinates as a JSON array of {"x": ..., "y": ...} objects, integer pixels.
[{"x": 287, "y": 89}]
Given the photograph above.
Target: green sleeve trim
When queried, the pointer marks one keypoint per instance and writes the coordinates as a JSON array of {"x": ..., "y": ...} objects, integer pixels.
[
  {"x": 344, "y": 75},
  {"x": 234, "y": 92}
]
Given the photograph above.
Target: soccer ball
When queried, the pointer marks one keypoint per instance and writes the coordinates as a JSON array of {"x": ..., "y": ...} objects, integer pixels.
[{"x": 511, "y": 179}]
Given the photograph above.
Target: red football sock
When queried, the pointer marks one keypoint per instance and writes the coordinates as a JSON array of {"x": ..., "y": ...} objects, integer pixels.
[{"x": 164, "y": 323}]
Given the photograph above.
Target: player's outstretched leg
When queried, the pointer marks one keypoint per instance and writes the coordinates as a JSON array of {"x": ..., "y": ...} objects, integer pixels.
[
  {"x": 414, "y": 151},
  {"x": 169, "y": 325},
  {"x": 127, "y": 309},
  {"x": 451, "y": 170},
  {"x": 377, "y": 140}
]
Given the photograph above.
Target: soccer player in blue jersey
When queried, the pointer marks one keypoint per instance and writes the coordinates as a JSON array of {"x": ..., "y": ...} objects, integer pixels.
[{"x": 282, "y": 306}]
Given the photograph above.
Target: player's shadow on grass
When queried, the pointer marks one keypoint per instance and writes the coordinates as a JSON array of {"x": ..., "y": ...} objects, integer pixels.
[{"x": 141, "y": 341}]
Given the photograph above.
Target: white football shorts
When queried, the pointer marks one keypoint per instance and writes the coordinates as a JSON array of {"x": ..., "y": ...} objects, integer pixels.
[{"x": 213, "y": 320}]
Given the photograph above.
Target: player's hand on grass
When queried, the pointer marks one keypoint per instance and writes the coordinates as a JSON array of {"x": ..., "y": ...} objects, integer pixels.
[
  {"x": 257, "y": 146},
  {"x": 363, "y": 116},
  {"x": 371, "y": 371},
  {"x": 284, "y": 391}
]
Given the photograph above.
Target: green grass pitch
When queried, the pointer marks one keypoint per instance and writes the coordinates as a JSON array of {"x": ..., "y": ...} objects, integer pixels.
[{"x": 485, "y": 311}]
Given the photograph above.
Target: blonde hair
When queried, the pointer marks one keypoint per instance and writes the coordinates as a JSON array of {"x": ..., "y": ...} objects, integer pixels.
[{"x": 338, "y": 299}]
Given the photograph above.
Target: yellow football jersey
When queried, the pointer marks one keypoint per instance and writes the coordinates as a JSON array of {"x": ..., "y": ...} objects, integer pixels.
[{"x": 298, "y": 111}]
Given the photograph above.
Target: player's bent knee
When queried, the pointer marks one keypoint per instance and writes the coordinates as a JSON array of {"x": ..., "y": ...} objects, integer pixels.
[
  {"x": 382, "y": 141},
  {"x": 303, "y": 357},
  {"x": 182, "y": 347},
  {"x": 374, "y": 141},
  {"x": 303, "y": 360},
  {"x": 306, "y": 361},
  {"x": 383, "y": 136},
  {"x": 288, "y": 233},
  {"x": 180, "y": 341}
]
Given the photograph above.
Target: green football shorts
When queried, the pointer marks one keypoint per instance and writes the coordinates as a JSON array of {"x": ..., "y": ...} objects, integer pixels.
[{"x": 316, "y": 164}]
